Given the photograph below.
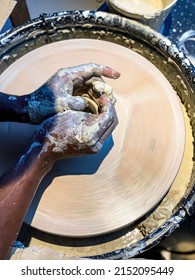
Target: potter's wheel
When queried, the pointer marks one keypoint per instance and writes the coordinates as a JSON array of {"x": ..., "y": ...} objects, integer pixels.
[{"x": 137, "y": 165}]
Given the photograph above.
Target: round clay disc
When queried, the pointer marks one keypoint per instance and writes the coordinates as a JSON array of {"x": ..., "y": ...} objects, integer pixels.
[{"x": 102, "y": 193}]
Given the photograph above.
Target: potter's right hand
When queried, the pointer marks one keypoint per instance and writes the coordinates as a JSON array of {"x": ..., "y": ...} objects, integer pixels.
[{"x": 74, "y": 133}]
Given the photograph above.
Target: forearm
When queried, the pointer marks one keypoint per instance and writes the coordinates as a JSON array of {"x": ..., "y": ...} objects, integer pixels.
[
  {"x": 14, "y": 108},
  {"x": 17, "y": 188}
]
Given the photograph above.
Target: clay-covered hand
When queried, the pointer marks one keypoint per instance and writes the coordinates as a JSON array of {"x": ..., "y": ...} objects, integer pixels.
[
  {"x": 74, "y": 133},
  {"x": 60, "y": 92},
  {"x": 93, "y": 89}
]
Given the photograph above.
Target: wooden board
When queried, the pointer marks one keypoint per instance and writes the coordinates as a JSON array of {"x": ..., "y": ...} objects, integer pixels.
[{"x": 6, "y": 7}]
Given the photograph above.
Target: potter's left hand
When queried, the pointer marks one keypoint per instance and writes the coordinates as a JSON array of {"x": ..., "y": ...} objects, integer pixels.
[{"x": 64, "y": 90}]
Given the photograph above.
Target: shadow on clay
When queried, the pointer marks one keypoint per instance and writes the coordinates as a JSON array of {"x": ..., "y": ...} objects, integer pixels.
[
  {"x": 73, "y": 166},
  {"x": 84, "y": 165}
]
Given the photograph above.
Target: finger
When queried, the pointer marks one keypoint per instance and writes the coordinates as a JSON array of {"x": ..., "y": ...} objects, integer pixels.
[
  {"x": 77, "y": 103},
  {"x": 104, "y": 137},
  {"x": 102, "y": 88},
  {"x": 106, "y": 106},
  {"x": 106, "y": 122},
  {"x": 107, "y": 115},
  {"x": 85, "y": 71},
  {"x": 87, "y": 85},
  {"x": 99, "y": 85},
  {"x": 93, "y": 80}
]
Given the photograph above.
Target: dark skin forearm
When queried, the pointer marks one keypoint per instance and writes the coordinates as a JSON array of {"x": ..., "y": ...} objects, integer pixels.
[
  {"x": 17, "y": 188},
  {"x": 30, "y": 108}
]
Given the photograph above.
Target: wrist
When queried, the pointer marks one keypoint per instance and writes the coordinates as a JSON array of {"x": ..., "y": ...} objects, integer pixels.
[
  {"x": 33, "y": 164},
  {"x": 31, "y": 108},
  {"x": 36, "y": 155},
  {"x": 40, "y": 151},
  {"x": 13, "y": 108}
]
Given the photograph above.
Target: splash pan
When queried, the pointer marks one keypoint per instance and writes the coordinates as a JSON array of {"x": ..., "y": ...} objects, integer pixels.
[{"x": 102, "y": 193}]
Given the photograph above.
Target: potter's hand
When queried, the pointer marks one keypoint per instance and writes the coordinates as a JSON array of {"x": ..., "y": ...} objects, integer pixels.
[
  {"x": 66, "y": 134},
  {"x": 60, "y": 92},
  {"x": 92, "y": 90},
  {"x": 75, "y": 133}
]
